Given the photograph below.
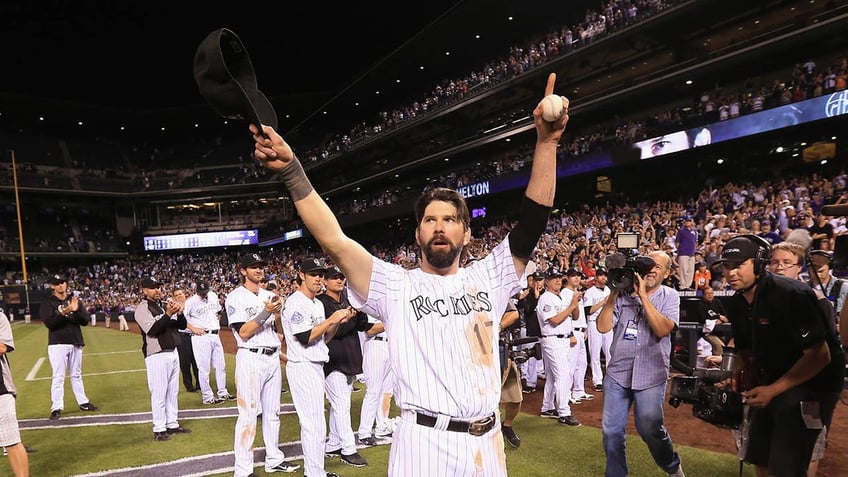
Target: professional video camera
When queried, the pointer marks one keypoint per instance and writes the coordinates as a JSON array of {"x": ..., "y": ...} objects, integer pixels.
[
  {"x": 720, "y": 407},
  {"x": 622, "y": 265},
  {"x": 509, "y": 344}
]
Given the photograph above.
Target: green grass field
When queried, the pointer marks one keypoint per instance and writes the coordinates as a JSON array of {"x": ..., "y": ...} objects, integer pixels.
[{"x": 115, "y": 380}]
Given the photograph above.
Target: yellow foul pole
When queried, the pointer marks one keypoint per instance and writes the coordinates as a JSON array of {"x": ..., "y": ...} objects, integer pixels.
[{"x": 20, "y": 224}]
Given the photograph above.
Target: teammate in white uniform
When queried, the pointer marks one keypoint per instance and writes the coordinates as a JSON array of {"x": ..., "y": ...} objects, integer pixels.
[
  {"x": 307, "y": 331},
  {"x": 378, "y": 381},
  {"x": 593, "y": 300},
  {"x": 556, "y": 316},
  {"x": 250, "y": 311},
  {"x": 439, "y": 318},
  {"x": 161, "y": 337},
  {"x": 201, "y": 311},
  {"x": 577, "y": 353}
]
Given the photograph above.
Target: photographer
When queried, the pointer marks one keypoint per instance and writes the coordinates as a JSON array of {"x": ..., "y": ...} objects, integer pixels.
[
  {"x": 527, "y": 301},
  {"x": 511, "y": 395},
  {"x": 642, "y": 319},
  {"x": 793, "y": 381}
]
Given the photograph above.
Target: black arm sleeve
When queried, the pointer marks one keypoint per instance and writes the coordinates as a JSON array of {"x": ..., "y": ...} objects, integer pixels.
[
  {"x": 303, "y": 337},
  {"x": 532, "y": 220}
]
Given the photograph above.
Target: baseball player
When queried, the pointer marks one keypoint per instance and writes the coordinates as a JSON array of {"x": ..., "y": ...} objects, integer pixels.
[
  {"x": 10, "y": 434},
  {"x": 201, "y": 312},
  {"x": 527, "y": 300},
  {"x": 160, "y": 338},
  {"x": 378, "y": 381},
  {"x": 250, "y": 311},
  {"x": 344, "y": 363},
  {"x": 556, "y": 316},
  {"x": 307, "y": 329},
  {"x": 577, "y": 353},
  {"x": 448, "y": 400},
  {"x": 593, "y": 300},
  {"x": 63, "y": 316}
]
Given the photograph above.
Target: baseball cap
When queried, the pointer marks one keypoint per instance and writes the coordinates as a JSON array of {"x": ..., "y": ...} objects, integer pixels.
[
  {"x": 738, "y": 249},
  {"x": 251, "y": 260},
  {"x": 202, "y": 287},
  {"x": 57, "y": 279},
  {"x": 553, "y": 272},
  {"x": 272, "y": 286},
  {"x": 311, "y": 265},
  {"x": 335, "y": 271},
  {"x": 538, "y": 275},
  {"x": 600, "y": 271},
  {"x": 821, "y": 257},
  {"x": 150, "y": 282},
  {"x": 573, "y": 272}
]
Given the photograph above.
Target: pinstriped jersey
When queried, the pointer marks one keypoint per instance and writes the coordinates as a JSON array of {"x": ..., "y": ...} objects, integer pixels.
[
  {"x": 567, "y": 295},
  {"x": 301, "y": 314},
  {"x": 442, "y": 332},
  {"x": 203, "y": 311},
  {"x": 551, "y": 304},
  {"x": 243, "y": 305}
]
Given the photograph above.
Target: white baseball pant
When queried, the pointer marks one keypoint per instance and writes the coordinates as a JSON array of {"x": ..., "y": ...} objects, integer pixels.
[
  {"x": 530, "y": 369},
  {"x": 258, "y": 383},
  {"x": 577, "y": 360},
  {"x": 338, "y": 389},
  {"x": 62, "y": 357},
  {"x": 163, "y": 371},
  {"x": 208, "y": 354},
  {"x": 457, "y": 454},
  {"x": 122, "y": 323},
  {"x": 598, "y": 342},
  {"x": 306, "y": 384},
  {"x": 378, "y": 381},
  {"x": 558, "y": 375}
]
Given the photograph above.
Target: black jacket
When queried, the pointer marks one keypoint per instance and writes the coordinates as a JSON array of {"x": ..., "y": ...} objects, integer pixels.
[
  {"x": 63, "y": 329},
  {"x": 345, "y": 348}
]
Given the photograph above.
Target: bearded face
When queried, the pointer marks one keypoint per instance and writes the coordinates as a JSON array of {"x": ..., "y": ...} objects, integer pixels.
[{"x": 441, "y": 252}]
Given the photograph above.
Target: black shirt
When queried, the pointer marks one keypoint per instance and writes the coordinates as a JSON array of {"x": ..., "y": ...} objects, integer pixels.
[
  {"x": 345, "y": 348},
  {"x": 63, "y": 329},
  {"x": 784, "y": 319}
]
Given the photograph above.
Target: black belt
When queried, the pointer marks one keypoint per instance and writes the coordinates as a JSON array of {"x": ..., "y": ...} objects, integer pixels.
[
  {"x": 476, "y": 428},
  {"x": 580, "y": 329},
  {"x": 214, "y": 332},
  {"x": 265, "y": 351},
  {"x": 558, "y": 336},
  {"x": 380, "y": 338}
]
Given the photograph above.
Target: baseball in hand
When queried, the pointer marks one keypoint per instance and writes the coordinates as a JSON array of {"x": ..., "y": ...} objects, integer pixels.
[{"x": 552, "y": 107}]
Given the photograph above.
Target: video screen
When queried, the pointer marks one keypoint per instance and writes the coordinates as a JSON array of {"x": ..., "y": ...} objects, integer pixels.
[{"x": 201, "y": 240}]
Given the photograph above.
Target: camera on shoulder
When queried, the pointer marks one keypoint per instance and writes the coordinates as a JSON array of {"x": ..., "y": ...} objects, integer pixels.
[
  {"x": 626, "y": 262},
  {"x": 510, "y": 344}
]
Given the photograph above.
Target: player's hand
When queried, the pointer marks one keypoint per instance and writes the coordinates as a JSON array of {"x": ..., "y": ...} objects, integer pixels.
[
  {"x": 272, "y": 152},
  {"x": 74, "y": 303},
  {"x": 173, "y": 307},
  {"x": 573, "y": 340},
  {"x": 550, "y": 132},
  {"x": 577, "y": 298},
  {"x": 274, "y": 305}
]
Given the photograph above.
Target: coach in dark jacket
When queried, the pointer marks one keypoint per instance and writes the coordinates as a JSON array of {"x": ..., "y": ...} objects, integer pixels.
[
  {"x": 160, "y": 338},
  {"x": 64, "y": 316},
  {"x": 344, "y": 364}
]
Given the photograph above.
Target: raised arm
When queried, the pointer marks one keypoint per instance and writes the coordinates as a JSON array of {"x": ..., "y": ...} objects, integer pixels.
[
  {"x": 541, "y": 188},
  {"x": 276, "y": 154}
]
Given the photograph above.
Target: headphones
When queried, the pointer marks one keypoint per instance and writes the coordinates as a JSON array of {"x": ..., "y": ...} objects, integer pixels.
[
  {"x": 822, "y": 253},
  {"x": 763, "y": 256}
]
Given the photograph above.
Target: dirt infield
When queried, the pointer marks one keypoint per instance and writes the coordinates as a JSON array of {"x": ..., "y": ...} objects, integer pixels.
[{"x": 684, "y": 428}]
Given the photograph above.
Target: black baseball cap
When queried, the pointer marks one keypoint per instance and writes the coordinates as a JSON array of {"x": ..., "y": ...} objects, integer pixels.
[
  {"x": 574, "y": 272},
  {"x": 335, "y": 271},
  {"x": 57, "y": 279},
  {"x": 738, "y": 249},
  {"x": 202, "y": 287},
  {"x": 538, "y": 275},
  {"x": 553, "y": 272},
  {"x": 150, "y": 282},
  {"x": 312, "y": 264},
  {"x": 251, "y": 260},
  {"x": 600, "y": 271}
]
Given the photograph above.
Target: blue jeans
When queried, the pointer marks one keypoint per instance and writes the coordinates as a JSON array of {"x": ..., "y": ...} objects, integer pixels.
[{"x": 648, "y": 415}]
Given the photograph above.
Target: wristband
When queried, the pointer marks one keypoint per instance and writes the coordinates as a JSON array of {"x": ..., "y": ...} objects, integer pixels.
[
  {"x": 262, "y": 317},
  {"x": 295, "y": 180}
]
